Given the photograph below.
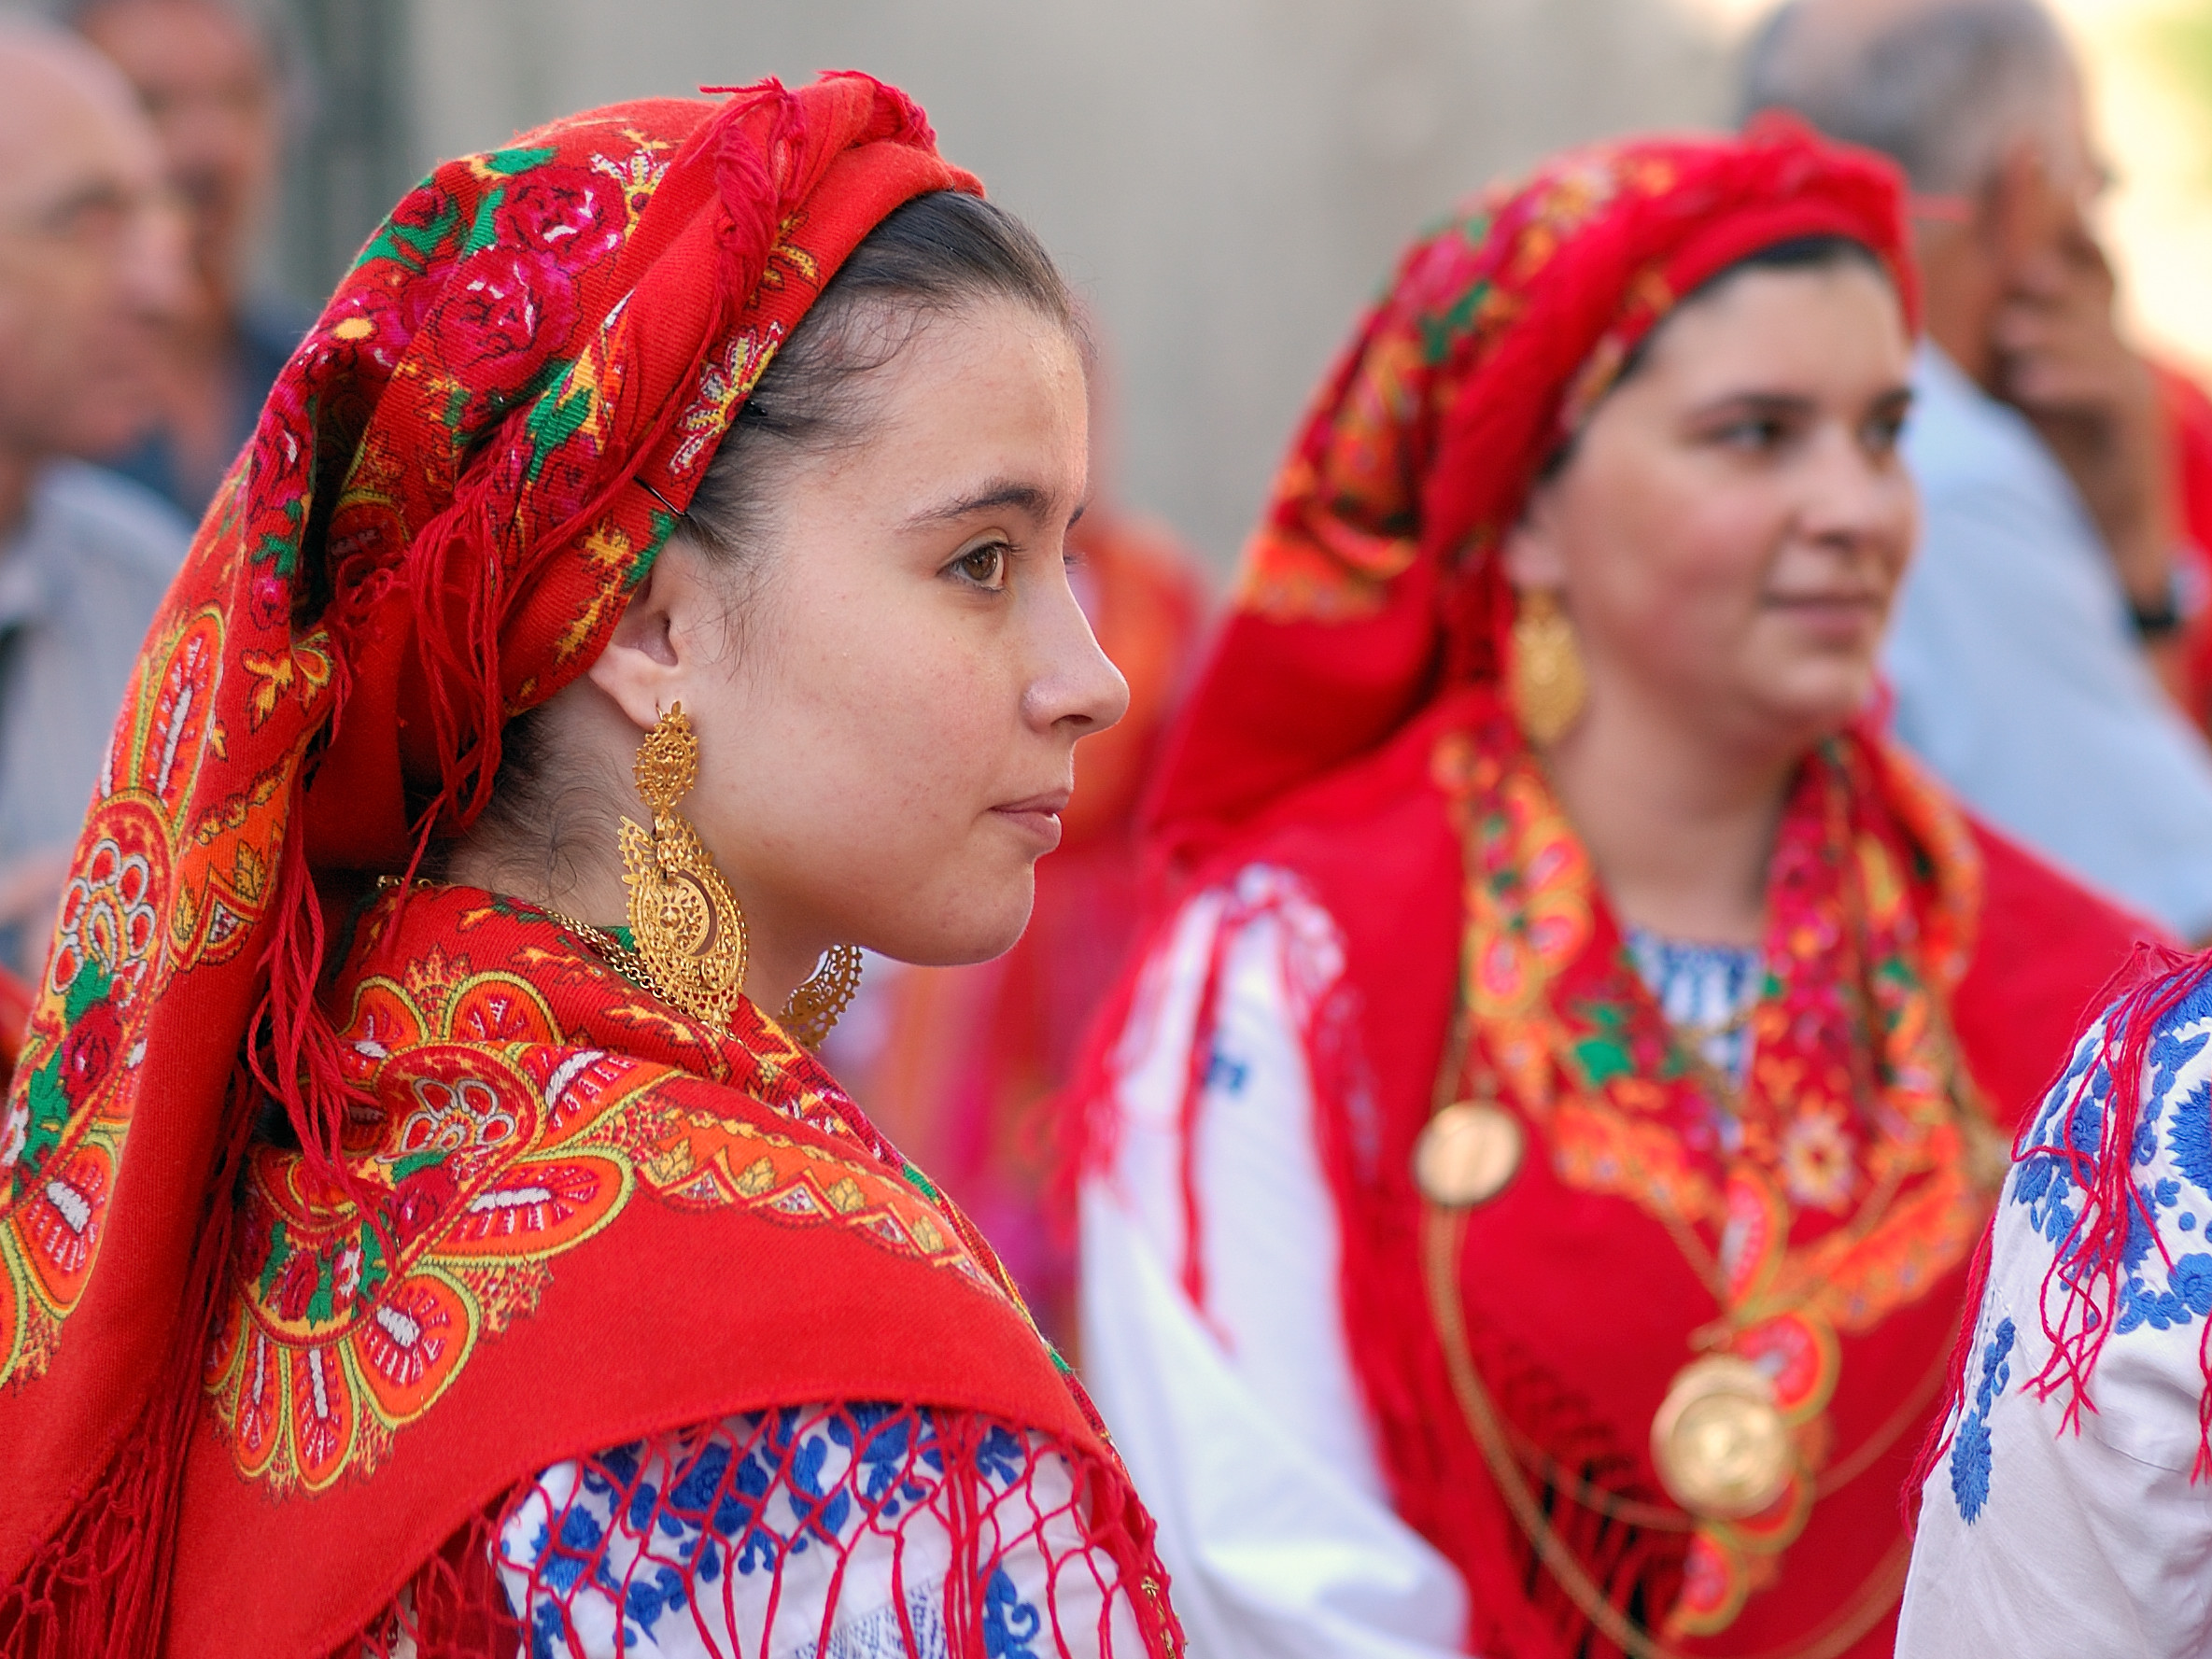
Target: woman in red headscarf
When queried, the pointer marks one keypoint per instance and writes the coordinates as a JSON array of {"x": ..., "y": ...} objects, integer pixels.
[
  {"x": 1532, "y": 1175},
  {"x": 481, "y": 1265}
]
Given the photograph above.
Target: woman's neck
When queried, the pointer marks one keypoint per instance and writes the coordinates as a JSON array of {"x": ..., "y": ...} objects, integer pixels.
[
  {"x": 591, "y": 889},
  {"x": 1680, "y": 828}
]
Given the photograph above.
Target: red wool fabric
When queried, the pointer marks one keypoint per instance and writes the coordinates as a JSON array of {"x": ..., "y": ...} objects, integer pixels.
[
  {"x": 1350, "y": 732},
  {"x": 247, "y": 1393}
]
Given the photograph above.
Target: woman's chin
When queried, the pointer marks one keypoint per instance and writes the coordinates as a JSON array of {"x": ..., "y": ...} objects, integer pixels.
[
  {"x": 976, "y": 934},
  {"x": 1818, "y": 701}
]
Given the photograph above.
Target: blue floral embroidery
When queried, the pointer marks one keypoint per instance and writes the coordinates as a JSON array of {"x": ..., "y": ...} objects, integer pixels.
[
  {"x": 2162, "y": 1285},
  {"x": 1010, "y": 1624},
  {"x": 1702, "y": 985},
  {"x": 1970, "y": 1446},
  {"x": 749, "y": 1495},
  {"x": 1226, "y": 1073},
  {"x": 2171, "y": 1158}
]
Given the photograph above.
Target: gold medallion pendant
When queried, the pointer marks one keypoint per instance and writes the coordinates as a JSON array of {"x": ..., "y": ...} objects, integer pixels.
[
  {"x": 1719, "y": 1440},
  {"x": 1468, "y": 1154}
]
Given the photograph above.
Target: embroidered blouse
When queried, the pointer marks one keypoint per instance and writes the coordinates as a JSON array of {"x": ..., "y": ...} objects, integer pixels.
[
  {"x": 1241, "y": 1420},
  {"x": 2042, "y": 1539},
  {"x": 597, "y": 1557}
]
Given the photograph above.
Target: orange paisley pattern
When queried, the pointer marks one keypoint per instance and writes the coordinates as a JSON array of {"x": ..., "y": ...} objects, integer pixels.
[
  {"x": 115, "y": 950},
  {"x": 487, "y": 1142}
]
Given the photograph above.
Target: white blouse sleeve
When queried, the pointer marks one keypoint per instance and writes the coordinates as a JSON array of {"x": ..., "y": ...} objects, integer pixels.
[
  {"x": 1239, "y": 1417},
  {"x": 2043, "y": 1541}
]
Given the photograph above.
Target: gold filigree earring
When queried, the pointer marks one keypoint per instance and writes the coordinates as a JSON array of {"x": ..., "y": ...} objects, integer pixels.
[
  {"x": 828, "y": 991},
  {"x": 687, "y": 925},
  {"x": 1545, "y": 679}
]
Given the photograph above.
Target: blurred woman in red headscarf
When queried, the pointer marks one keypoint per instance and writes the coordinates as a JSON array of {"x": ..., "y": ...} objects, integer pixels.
[
  {"x": 1532, "y": 1175},
  {"x": 658, "y": 543}
]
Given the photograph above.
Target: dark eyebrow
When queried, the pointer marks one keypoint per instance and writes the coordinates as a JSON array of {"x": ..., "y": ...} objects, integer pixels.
[
  {"x": 1023, "y": 498},
  {"x": 1754, "y": 403},
  {"x": 1786, "y": 403}
]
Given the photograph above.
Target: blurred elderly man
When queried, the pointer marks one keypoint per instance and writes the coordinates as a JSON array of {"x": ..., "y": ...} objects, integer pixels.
[
  {"x": 91, "y": 264},
  {"x": 202, "y": 71},
  {"x": 2027, "y": 650}
]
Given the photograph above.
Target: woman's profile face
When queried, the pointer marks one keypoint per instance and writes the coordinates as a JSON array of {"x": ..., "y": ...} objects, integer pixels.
[
  {"x": 1730, "y": 528},
  {"x": 887, "y": 724}
]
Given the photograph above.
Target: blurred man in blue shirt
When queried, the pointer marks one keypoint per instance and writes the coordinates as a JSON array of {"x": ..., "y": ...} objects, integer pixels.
[
  {"x": 90, "y": 268},
  {"x": 2043, "y": 605},
  {"x": 204, "y": 73}
]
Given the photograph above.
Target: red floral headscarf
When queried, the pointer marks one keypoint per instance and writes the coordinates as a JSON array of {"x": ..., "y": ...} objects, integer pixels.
[
  {"x": 1370, "y": 582},
  {"x": 466, "y": 468}
]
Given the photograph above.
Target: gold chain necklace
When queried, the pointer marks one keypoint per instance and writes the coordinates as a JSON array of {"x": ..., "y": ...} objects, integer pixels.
[
  {"x": 809, "y": 1015},
  {"x": 620, "y": 957}
]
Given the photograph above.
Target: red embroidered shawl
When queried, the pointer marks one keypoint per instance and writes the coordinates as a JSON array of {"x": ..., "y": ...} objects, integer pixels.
[
  {"x": 1349, "y": 730},
  {"x": 246, "y": 1397}
]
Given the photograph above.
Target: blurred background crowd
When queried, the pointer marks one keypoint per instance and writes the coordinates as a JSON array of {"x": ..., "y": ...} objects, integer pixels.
[{"x": 1226, "y": 183}]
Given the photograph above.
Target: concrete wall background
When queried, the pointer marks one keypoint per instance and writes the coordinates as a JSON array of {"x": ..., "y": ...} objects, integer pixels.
[{"x": 1227, "y": 180}]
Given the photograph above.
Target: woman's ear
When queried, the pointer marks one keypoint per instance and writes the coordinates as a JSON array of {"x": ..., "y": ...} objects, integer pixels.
[
  {"x": 1531, "y": 550},
  {"x": 648, "y": 662}
]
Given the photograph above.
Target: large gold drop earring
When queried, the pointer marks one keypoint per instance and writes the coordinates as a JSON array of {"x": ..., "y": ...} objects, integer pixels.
[
  {"x": 688, "y": 927},
  {"x": 1547, "y": 681}
]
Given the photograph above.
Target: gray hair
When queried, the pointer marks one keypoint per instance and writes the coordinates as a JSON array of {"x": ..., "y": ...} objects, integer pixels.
[{"x": 1942, "y": 88}]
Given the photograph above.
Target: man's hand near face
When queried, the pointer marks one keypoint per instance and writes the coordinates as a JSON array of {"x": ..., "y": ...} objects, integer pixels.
[{"x": 2061, "y": 360}]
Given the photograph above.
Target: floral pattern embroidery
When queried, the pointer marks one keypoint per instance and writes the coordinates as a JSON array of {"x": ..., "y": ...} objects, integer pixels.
[
  {"x": 2171, "y": 1157},
  {"x": 70, "y": 1106},
  {"x": 701, "y": 1543},
  {"x": 1562, "y": 1017},
  {"x": 490, "y": 1143},
  {"x": 1969, "y": 1450},
  {"x": 2163, "y": 1284}
]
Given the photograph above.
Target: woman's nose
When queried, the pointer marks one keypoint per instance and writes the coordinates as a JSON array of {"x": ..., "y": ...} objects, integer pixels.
[
  {"x": 1854, "y": 495},
  {"x": 1077, "y": 686}
]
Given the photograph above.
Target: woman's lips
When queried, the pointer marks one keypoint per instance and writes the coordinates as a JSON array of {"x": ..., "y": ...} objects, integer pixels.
[
  {"x": 1830, "y": 613},
  {"x": 1038, "y": 816}
]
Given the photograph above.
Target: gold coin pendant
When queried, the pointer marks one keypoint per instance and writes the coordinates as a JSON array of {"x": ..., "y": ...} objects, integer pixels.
[
  {"x": 1468, "y": 1154},
  {"x": 1719, "y": 1442}
]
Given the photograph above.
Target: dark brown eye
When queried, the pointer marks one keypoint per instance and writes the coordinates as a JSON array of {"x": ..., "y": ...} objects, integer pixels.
[
  {"x": 985, "y": 566},
  {"x": 1883, "y": 433},
  {"x": 1754, "y": 435}
]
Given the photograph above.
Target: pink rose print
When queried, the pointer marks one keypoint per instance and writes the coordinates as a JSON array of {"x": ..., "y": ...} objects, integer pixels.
[
  {"x": 506, "y": 310},
  {"x": 568, "y": 211}
]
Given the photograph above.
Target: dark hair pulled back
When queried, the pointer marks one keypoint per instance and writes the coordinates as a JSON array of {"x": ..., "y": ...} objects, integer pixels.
[{"x": 937, "y": 254}]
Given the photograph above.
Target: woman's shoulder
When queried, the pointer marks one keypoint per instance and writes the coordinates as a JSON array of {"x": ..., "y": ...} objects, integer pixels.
[
  {"x": 1370, "y": 844},
  {"x": 2113, "y": 1176},
  {"x": 2089, "y": 1337},
  {"x": 2045, "y": 946}
]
